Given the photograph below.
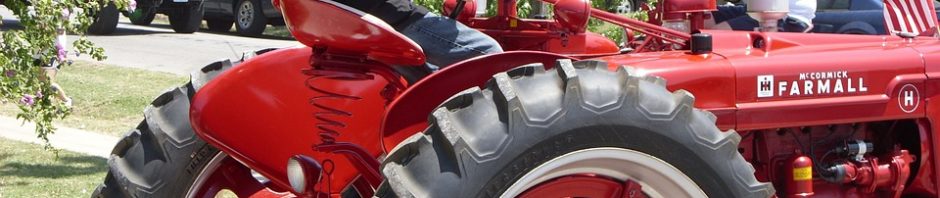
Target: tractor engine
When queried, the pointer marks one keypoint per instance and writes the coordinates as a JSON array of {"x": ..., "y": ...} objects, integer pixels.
[{"x": 872, "y": 159}]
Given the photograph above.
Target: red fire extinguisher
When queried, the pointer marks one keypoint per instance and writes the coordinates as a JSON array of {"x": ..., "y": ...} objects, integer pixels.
[{"x": 800, "y": 179}]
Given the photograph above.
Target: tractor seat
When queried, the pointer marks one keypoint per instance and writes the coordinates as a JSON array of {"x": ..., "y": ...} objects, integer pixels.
[{"x": 347, "y": 31}]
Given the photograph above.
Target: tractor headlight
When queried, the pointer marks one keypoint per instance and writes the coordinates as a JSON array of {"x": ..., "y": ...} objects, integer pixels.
[{"x": 303, "y": 173}]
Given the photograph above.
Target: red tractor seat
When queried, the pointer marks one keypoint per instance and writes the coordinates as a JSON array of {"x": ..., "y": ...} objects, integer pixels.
[{"x": 348, "y": 31}]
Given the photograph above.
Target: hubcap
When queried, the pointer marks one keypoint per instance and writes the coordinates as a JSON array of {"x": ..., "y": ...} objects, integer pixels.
[
  {"x": 605, "y": 170},
  {"x": 224, "y": 173},
  {"x": 246, "y": 14}
]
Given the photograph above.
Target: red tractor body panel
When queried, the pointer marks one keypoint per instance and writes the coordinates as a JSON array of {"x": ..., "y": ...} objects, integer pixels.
[
  {"x": 302, "y": 100},
  {"x": 881, "y": 71},
  {"x": 266, "y": 110}
]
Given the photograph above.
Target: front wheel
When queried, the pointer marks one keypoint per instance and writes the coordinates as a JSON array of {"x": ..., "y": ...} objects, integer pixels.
[
  {"x": 577, "y": 130},
  {"x": 187, "y": 18},
  {"x": 219, "y": 25},
  {"x": 163, "y": 157}
]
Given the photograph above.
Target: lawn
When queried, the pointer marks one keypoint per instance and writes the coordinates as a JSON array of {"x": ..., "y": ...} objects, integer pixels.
[
  {"x": 26, "y": 170},
  {"x": 108, "y": 99}
]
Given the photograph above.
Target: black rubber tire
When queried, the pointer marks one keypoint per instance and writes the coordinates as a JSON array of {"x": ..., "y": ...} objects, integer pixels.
[
  {"x": 142, "y": 16},
  {"x": 480, "y": 142},
  {"x": 258, "y": 21},
  {"x": 162, "y": 156},
  {"x": 106, "y": 20},
  {"x": 187, "y": 19},
  {"x": 219, "y": 25}
]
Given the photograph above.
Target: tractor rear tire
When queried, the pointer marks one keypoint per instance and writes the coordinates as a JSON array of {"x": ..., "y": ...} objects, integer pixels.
[
  {"x": 162, "y": 156},
  {"x": 188, "y": 18},
  {"x": 486, "y": 143},
  {"x": 106, "y": 20}
]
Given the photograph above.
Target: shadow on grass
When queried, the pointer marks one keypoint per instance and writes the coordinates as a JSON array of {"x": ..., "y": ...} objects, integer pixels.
[{"x": 66, "y": 166}]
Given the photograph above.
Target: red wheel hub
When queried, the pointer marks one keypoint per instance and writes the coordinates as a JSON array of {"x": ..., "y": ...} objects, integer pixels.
[{"x": 585, "y": 185}]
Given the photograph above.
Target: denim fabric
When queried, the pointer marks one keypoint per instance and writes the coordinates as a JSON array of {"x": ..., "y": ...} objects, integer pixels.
[
  {"x": 446, "y": 41},
  {"x": 737, "y": 18}
]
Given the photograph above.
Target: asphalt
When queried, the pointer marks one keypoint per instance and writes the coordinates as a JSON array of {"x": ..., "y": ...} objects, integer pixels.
[
  {"x": 158, "y": 48},
  {"x": 155, "y": 48}
]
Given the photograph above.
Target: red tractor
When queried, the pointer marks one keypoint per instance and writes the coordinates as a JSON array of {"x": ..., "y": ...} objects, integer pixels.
[{"x": 773, "y": 114}]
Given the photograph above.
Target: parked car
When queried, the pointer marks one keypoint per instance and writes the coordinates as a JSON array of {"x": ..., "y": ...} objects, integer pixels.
[
  {"x": 185, "y": 15},
  {"x": 249, "y": 16},
  {"x": 850, "y": 17}
]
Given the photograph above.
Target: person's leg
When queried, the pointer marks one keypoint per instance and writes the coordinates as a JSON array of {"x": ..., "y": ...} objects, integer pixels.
[
  {"x": 49, "y": 74},
  {"x": 721, "y": 18},
  {"x": 742, "y": 23},
  {"x": 446, "y": 41},
  {"x": 791, "y": 24}
]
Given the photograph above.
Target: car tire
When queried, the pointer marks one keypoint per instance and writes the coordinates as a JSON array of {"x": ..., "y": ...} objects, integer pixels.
[
  {"x": 219, "y": 25},
  {"x": 249, "y": 18},
  {"x": 488, "y": 142},
  {"x": 106, "y": 20},
  {"x": 188, "y": 18},
  {"x": 142, "y": 16}
]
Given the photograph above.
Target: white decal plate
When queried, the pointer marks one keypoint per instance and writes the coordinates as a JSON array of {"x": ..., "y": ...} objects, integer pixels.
[{"x": 909, "y": 98}]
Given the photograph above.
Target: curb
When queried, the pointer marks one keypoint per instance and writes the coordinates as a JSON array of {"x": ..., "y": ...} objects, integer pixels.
[{"x": 65, "y": 138}]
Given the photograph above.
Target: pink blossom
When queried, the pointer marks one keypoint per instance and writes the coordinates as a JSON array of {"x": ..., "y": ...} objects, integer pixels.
[
  {"x": 10, "y": 73},
  {"x": 62, "y": 52},
  {"x": 28, "y": 100},
  {"x": 66, "y": 13}
]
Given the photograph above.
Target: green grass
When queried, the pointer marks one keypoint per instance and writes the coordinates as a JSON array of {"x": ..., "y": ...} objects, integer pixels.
[
  {"x": 26, "y": 170},
  {"x": 108, "y": 99}
]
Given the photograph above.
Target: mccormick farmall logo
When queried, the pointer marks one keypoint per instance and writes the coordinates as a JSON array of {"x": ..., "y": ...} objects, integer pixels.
[{"x": 810, "y": 84}]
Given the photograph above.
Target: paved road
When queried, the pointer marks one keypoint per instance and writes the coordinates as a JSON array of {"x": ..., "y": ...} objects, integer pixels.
[
  {"x": 155, "y": 47},
  {"x": 158, "y": 48}
]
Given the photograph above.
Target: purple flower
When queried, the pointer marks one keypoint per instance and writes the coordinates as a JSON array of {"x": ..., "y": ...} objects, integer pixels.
[
  {"x": 28, "y": 100},
  {"x": 10, "y": 73},
  {"x": 62, "y": 52},
  {"x": 38, "y": 94},
  {"x": 66, "y": 13}
]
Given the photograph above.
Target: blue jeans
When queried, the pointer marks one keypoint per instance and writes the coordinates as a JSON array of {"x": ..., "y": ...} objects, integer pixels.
[
  {"x": 737, "y": 18},
  {"x": 446, "y": 41}
]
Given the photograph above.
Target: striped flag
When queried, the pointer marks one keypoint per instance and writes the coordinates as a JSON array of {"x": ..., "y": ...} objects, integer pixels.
[{"x": 911, "y": 16}]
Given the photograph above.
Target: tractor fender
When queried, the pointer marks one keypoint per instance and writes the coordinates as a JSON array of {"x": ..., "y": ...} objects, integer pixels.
[
  {"x": 408, "y": 114},
  {"x": 276, "y": 105},
  {"x": 857, "y": 27}
]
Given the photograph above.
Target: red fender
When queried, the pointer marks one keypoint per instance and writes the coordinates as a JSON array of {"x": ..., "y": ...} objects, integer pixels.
[
  {"x": 276, "y": 105},
  {"x": 408, "y": 114}
]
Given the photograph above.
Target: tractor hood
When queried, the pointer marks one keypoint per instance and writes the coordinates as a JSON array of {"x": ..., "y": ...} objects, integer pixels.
[{"x": 792, "y": 66}]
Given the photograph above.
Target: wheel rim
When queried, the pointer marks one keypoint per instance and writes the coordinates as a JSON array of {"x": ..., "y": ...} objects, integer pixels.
[
  {"x": 246, "y": 14},
  {"x": 225, "y": 173},
  {"x": 625, "y": 7},
  {"x": 605, "y": 169}
]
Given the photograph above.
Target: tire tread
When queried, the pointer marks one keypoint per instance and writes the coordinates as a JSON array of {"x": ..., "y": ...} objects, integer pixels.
[{"x": 424, "y": 165}]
